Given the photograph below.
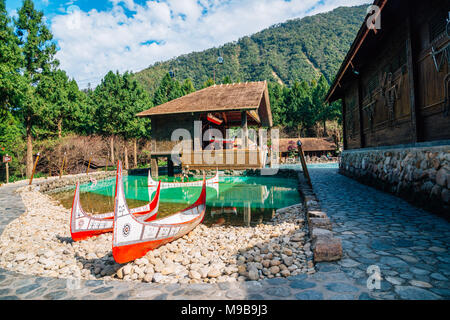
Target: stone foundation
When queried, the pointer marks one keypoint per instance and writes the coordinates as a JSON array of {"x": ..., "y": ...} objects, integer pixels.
[
  {"x": 55, "y": 184},
  {"x": 419, "y": 174}
]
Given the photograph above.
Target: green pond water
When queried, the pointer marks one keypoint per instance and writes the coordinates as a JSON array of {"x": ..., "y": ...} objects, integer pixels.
[{"x": 238, "y": 200}]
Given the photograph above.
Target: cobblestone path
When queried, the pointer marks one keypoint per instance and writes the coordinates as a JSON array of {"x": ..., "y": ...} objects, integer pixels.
[{"x": 409, "y": 245}]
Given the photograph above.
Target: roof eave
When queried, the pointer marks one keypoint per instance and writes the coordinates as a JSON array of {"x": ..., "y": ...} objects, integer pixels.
[
  {"x": 356, "y": 45},
  {"x": 142, "y": 114}
]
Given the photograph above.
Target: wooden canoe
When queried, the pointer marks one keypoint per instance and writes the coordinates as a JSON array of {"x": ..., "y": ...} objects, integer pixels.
[
  {"x": 211, "y": 118},
  {"x": 133, "y": 238},
  {"x": 83, "y": 225}
]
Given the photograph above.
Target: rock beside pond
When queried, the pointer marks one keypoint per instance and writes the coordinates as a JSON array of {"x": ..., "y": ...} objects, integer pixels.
[{"x": 39, "y": 243}]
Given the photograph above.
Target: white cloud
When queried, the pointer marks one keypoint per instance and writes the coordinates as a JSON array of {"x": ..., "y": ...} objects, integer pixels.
[{"x": 94, "y": 42}]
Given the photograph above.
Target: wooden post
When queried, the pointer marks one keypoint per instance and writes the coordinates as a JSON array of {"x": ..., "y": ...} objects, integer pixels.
[
  {"x": 154, "y": 167},
  {"x": 34, "y": 168},
  {"x": 244, "y": 129},
  {"x": 247, "y": 214},
  {"x": 262, "y": 143},
  {"x": 269, "y": 136},
  {"x": 344, "y": 124},
  {"x": 411, "y": 79},
  {"x": 112, "y": 149},
  {"x": 89, "y": 164},
  {"x": 135, "y": 152},
  {"x": 65, "y": 165},
  {"x": 302, "y": 160},
  {"x": 362, "y": 141},
  {"x": 170, "y": 169},
  {"x": 7, "y": 171},
  {"x": 62, "y": 166},
  {"x": 127, "y": 166}
]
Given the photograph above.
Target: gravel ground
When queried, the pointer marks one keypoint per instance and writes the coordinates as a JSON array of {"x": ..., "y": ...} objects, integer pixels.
[{"x": 39, "y": 243}]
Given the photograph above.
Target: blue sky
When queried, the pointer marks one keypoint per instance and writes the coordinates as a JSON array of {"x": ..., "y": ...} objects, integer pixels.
[
  {"x": 95, "y": 36},
  {"x": 52, "y": 8}
]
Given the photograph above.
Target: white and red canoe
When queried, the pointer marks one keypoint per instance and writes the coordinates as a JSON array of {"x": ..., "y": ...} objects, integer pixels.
[
  {"x": 211, "y": 182},
  {"x": 83, "y": 225},
  {"x": 133, "y": 238}
]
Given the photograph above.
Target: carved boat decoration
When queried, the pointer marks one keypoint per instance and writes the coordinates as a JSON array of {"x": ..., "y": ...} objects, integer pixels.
[
  {"x": 211, "y": 118},
  {"x": 83, "y": 225},
  {"x": 133, "y": 238}
]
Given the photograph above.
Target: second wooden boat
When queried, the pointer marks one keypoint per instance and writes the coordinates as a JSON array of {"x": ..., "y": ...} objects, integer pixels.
[
  {"x": 133, "y": 238},
  {"x": 83, "y": 225}
]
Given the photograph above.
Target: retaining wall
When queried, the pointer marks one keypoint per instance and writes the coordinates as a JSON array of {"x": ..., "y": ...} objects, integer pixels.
[{"x": 419, "y": 174}]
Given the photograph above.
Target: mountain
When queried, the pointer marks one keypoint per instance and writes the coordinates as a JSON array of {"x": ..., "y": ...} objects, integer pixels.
[{"x": 299, "y": 49}]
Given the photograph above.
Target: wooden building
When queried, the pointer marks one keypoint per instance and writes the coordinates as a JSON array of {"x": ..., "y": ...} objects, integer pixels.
[
  {"x": 394, "y": 85},
  {"x": 218, "y": 107},
  {"x": 312, "y": 147}
]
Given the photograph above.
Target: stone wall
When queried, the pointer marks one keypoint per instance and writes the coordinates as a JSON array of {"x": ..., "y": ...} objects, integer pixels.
[
  {"x": 418, "y": 174},
  {"x": 55, "y": 184}
]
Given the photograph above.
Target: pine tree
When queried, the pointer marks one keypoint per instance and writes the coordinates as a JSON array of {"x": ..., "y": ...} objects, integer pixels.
[
  {"x": 175, "y": 91},
  {"x": 35, "y": 40},
  {"x": 79, "y": 117},
  {"x": 162, "y": 93},
  {"x": 323, "y": 111},
  {"x": 208, "y": 83},
  {"x": 227, "y": 80},
  {"x": 12, "y": 84},
  {"x": 277, "y": 96},
  {"x": 133, "y": 99},
  {"x": 118, "y": 99},
  {"x": 107, "y": 115},
  {"x": 53, "y": 89},
  {"x": 11, "y": 140},
  {"x": 300, "y": 112},
  {"x": 188, "y": 86}
]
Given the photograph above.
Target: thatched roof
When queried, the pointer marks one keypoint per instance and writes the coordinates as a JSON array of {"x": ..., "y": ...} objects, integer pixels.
[
  {"x": 308, "y": 144},
  {"x": 220, "y": 98}
]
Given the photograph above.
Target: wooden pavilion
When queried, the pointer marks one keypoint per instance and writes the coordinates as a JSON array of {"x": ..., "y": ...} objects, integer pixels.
[
  {"x": 312, "y": 147},
  {"x": 219, "y": 107}
]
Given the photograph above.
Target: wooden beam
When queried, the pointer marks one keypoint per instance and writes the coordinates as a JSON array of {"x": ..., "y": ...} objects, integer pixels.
[
  {"x": 244, "y": 129},
  {"x": 170, "y": 167},
  {"x": 344, "y": 123},
  {"x": 224, "y": 115},
  {"x": 362, "y": 141},
  {"x": 254, "y": 116},
  {"x": 154, "y": 167},
  {"x": 352, "y": 53},
  {"x": 411, "y": 78}
]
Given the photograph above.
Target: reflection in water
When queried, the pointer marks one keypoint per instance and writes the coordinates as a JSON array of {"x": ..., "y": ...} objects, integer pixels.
[{"x": 239, "y": 201}]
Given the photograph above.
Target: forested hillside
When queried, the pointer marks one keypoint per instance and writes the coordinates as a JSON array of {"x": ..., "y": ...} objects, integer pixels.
[
  {"x": 296, "y": 50},
  {"x": 42, "y": 110}
]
